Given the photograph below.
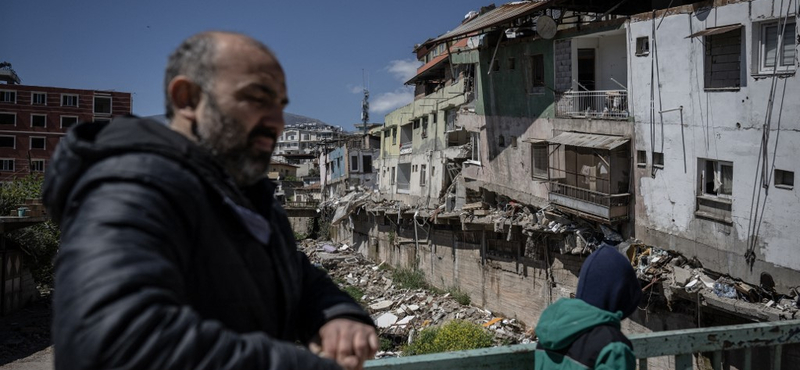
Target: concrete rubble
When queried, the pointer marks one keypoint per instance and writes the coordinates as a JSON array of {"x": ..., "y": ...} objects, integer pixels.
[{"x": 400, "y": 313}]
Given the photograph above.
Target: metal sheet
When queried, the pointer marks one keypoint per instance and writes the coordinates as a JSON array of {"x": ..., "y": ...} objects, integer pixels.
[
  {"x": 716, "y": 30},
  {"x": 603, "y": 142},
  {"x": 492, "y": 18}
]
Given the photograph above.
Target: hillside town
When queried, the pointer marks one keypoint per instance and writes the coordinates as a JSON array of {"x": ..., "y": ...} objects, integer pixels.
[{"x": 538, "y": 131}]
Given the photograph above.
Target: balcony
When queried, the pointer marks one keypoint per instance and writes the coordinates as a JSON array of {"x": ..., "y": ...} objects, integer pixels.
[
  {"x": 723, "y": 343},
  {"x": 599, "y": 104},
  {"x": 612, "y": 207},
  {"x": 405, "y": 148}
]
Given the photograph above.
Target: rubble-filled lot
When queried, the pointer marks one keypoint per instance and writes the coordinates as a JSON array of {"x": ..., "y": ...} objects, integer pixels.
[{"x": 401, "y": 312}]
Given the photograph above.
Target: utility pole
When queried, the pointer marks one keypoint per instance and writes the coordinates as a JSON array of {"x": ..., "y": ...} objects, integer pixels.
[{"x": 365, "y": 103}]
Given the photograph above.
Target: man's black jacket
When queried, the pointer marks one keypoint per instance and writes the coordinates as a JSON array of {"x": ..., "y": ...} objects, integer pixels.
[{"x": 164, "y": 263}]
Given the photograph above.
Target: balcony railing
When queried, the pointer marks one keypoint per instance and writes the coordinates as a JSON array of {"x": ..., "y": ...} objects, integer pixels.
[
  {"x": 682, "y": 344},
  {"x": 306, "y": 204},
  {"x": 607, "y": 206},
  {"x": 405, "y": 148},
  {"x": 604, "y": 104}
]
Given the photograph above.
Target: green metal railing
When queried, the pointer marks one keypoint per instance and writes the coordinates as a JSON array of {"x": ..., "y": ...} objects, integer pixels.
[{"x": 682, "y": 344}]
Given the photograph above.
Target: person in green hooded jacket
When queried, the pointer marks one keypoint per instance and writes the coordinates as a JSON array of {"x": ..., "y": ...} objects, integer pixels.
[{"x": 584, "y": 333}]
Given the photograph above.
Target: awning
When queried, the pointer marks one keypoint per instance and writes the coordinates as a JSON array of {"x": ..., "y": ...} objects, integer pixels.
[
  {"x": 603, "y": 142},
  {"x": 534, "y": 140},
  {"x": 716, "y": 30}
]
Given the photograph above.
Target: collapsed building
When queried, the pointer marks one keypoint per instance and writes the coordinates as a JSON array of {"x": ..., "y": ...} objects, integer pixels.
[{"x": 540, "y": 129}]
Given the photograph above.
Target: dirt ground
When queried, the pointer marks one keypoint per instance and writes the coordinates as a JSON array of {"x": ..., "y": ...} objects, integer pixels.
[{"x": 25, "y": 336}]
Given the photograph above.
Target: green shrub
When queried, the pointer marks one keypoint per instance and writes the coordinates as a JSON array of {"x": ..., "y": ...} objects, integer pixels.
[
  {"x": 456, "y": 335},
  {"x": 409, "y": 279},
  {"x": 460, "y": 296},
  {"x": 354, "y": 292}
]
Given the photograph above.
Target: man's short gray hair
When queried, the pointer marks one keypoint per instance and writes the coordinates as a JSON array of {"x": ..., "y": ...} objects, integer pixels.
[{"x": 194, "y": 58}]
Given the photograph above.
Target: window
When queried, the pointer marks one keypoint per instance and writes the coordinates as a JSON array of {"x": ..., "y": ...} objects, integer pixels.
[
  {"x": 354, "y": 163},
  {"x": 69, "y": 100},
  {"x": 8, "y": 141},
  {"x": 392, "y": 176},
  {"x": 771, "y": 57},
  {"x": 642, "y": 46},
  {"x": 37, "y": 165},
  {"x": 537, "y": 74},
  {"x": 6, "y": 164},
  {"x": 784, "y": 179},
  {"x": 475, "y": 140},
  {"x": 394, "y": 135},
  {"x": 68, "y": 121},
  {"x": 8, "y": 96},
  {"x": 495, "y": 65},
  {"x": 722, "y": 60},
  {"x": 424, "y": 128},
  {"x": 37, "y": 142},
  {"x": 717, "y": 178},
  {"x": 658, "y": 159},
  {"x": 512, "y": 63},
  {"x": 102, "y": 105},
  {"x": 641, "y": 158},
  {"x": 8, "y": 119},
  {"x": 422, "y": 175},
  {"x": 514, "y": 142},
  {"x": 714, "y": 200},
  {"x": 38, "y": 120},
  {"x": 306, "y": 136},
  {"x": 540, "y": 160},
  {"x": 39, "y": 98},
  {"x": 367, "y": 159}
]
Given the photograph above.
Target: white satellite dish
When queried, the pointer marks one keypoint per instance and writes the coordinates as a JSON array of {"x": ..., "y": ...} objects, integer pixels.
[{"x": 546, "y": 27}]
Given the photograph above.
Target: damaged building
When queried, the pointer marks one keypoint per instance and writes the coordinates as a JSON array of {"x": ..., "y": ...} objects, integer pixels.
[{"x": 540, "y": 129}]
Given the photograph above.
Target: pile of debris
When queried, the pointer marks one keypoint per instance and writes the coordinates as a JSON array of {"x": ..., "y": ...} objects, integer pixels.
[
  {"x": 685, "y": 278},
  {"x": 399, "y": 312}
]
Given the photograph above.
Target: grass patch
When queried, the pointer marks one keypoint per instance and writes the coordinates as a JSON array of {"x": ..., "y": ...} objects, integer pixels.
[
  {"x": 460, "y": 296},
  {"x": 410, "y": 279},
  {"x": 455, "y": 335}
]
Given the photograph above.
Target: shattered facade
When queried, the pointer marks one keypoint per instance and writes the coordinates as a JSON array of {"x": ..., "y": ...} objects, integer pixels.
[{"x": 522, "y": 153}]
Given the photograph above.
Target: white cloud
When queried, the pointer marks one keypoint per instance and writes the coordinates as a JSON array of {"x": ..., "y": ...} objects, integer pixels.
[
  {"x": 355, "y": 89},
  {"x": 403, "y": 69},
  {"x": 389, "y": 101}
]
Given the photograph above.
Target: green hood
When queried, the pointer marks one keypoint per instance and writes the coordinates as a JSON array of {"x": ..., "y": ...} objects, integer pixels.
[{"x": 562, "y": 322}]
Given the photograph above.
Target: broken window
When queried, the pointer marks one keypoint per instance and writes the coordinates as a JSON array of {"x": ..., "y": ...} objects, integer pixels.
[
  {"x": 475, "y": 141},
  {"x": 353, "y": 163},
  {"x": 392, "y": 176},
  {"x": 642, "y": 46},
  {"x": 422, "y": 175},
  {"x": 722, "y": 60},
  {"x": 501, "y": 141},
  {"x": 539, "y": 159},
  {"x": 537, "y": 73},
  {"x": 641, "y": 158},
  {"x": 424, "y": 127},
  {"x": 658, "y": 159},
  {"x": 367, "y": 159},
  {"x": 394, "y": 135},
  {"x": 784, "y": 179},
  {"x": 716, "y": 188}
]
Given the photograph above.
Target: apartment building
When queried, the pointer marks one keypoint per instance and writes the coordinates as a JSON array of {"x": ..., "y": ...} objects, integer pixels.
[{"x": 34, "y": 118}]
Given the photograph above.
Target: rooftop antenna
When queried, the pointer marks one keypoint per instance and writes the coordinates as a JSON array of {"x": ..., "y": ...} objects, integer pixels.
[{"x": 365, "y": 102}]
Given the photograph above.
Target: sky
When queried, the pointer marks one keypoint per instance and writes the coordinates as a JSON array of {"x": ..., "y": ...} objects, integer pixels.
[{"x": 326, "y": 47}]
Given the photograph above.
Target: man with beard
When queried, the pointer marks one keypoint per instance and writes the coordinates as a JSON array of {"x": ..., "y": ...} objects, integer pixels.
[{"x": 173, "y": 252}]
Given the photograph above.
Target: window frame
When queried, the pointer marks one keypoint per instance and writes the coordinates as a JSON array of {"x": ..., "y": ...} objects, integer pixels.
[
  {"x": 658, "y": 159},
  {"x": 475, "y": 141},
  {"x": 14, "y": 138},
  {"x": 354, "y": 163},
  {"x": 760, "y": 67},
  {"x": 2, "y": 96},
  {"x": 110, "y": 105},
  {"x": 15, "y": 119},
  {"x": 33, "y": 95},
  {"x": 61, "y": 121},
  {"x": 30, "y": 142},
  {"x": 44, "y": 115},
  {"x": 783, "y": 175},
  {"x": 642, "y": 46},
  {"x": 423, "y": 177},
  {"x": 10, "y": 160},
  {"x": 641, "y": 158},
  {"x": 77, "y": 100},
  {"x": 42, "y": 161},
  {"x": 536, "y": 171},
  {"x": 708, "y": 47}
]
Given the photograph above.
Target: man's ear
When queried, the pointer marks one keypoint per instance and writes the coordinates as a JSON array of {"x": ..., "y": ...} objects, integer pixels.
[{"x": 185, "y": 97}]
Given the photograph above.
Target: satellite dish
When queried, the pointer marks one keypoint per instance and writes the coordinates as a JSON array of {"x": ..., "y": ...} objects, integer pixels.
[{"x": 546, "y": 27}]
